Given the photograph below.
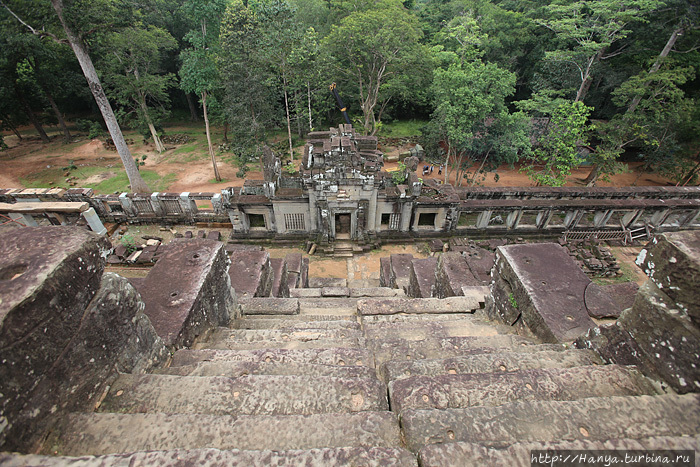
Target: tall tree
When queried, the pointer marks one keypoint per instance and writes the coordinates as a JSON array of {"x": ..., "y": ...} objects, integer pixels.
[
  {"x": 71, "y": 21},
  {"x": 372, "y": 48},
  {"x": 134, "y": 76},
  {"x": 588, "y": 31},
  {"x": 198, "y": 73}
]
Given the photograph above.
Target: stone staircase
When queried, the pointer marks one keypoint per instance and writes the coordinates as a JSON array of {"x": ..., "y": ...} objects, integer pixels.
[{"x": 354, "y": 380}]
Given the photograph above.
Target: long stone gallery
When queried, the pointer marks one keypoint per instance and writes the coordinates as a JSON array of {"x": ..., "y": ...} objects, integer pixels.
[{"x": 512, "y": 330}]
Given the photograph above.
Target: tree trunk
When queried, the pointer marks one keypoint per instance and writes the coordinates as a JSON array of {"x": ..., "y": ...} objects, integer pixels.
[
  {"x": 686, "y": 179},
  {"x": 226, "y": 132},
  {"x": 194, "y": 117},
  {"x": 135, "y": 180},
  {"x": 289, "y": 125},
  {"x": 154, "y": 134},
  {"x": 211, "y": 147},
  {"x": 308, "y": 95},
  {"x": 32, "y": 118},
  {"x": 593, "y": 176},
  {"x": 657, "y": 64},
  {"x": 480, "y": 167},
  {"x": 57, "y": 112}
]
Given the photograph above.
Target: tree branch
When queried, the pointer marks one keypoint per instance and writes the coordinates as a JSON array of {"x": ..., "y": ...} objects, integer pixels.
[{"x": 36, "y": 32}]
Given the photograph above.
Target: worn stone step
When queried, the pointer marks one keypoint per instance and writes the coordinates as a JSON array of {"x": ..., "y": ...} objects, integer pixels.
[
  {"x": 309, "y": 341},
  {"x": 461, "y": 391},
  {"x": 328, "y": 306},
  {"x": 597, "y": 418},
  {"x": 245, "y": 395},
  {"x": 106, "y": 433},
  {"x": 304, "y": 318},
  {"x": 321, "y": 356},
  {"x": 489, "y": 363},
  {"x": 390, "y": 306},
  {"x": 520, "y": 454},
  {"x": 401, "y": 349},
  {"x": 279, "y": 335},
  {"x": 290, "y": 324},
  {"x": 358, "y": 292},
  {"x": 365, "y": 456},
  {"x": 269, "y": 306},
  {"x": 428, "y": 329},
  {"x": 278, "y": 269},
  {"x": 236, "y": 369},
  {"x": 418, "y": 318}
]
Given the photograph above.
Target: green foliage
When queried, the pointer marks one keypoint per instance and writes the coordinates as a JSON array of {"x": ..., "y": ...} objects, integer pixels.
[
  {"x": 92, "y": 128},
  {"x": 558, "y": 151},
  {"x": 399, "y": 176},
  {"x": 129, "y": 242},
  {"x": 290, "y": 168},
  {"x": 71, "y": 166},
  {"x": 513, "y": 302}
]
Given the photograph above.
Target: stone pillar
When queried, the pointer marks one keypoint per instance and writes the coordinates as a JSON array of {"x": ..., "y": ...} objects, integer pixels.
[
  {"x": 155, "y": 203},
  {"x": 127, "y": 205},
  {"x": 94, "y": 221},
  {"x": 406, "y": 211}
]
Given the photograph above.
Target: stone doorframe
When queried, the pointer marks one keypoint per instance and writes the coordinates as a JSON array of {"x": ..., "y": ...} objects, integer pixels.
[{"x": 353, "y": 221}]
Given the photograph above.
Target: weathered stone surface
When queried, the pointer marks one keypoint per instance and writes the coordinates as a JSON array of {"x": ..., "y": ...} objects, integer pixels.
[
  {"x": 480, "y": 262},
  {"x": 389, "y": 306},
  {"x": 305, "y": 293},
  {"x": 335, "y": 292},
  {"x": 330, "y": 306},
  {"x": 245, "y": 395},
  {"x": 320, "y": 282},
  {"x": 269, "y": 306},
  {"x": 476, "y": 389},
  {"x": 311, "y": 340},
  {"x": 401, "y": 265},
  {"x": 489, "y": 363},
  {"x": 623, "y": 294},
  {"x": 599, "y": 303},
  {"x": 385, "y": 272},
  {"x": 361, "y": 292},
  {"x": 596, "y": 418},
  {"x": 188, "y": 291},
  {"x": 400, "y": 349},
  {"x": 250, "y": 273},
  {"x": 291, "y": 324},
  {"x": 327, "y": 356},
  {"x": 463, "y": 327},
  {"x": 667, "y": 337},
  {"x": 278, "y": 269},
  {"x": 672, "y": 261},
  {"x": 365, "y": 456},
  {"x": 105, "y": 433},
  {"x": 520, "y": 454},
  {"x": 236, "y": 369},
  {"x": 49, "y": 278},
  {"x": 283, "y": 335},
  {"x": 294, "y": 262},
  {"x": 452, "y": 274},
  {"x": 422, "y": 278},
  {"x": 542, "y": 285}
]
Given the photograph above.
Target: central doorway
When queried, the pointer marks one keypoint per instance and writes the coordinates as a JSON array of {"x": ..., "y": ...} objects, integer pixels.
[{"x": 342, "y": 226}]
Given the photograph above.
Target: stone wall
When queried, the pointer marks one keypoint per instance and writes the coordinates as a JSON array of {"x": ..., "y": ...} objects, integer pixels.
[{"x": 258, "y": 210}]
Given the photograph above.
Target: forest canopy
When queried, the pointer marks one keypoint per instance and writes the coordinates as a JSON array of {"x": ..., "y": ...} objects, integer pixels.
[{"x": 549, "y": 84}]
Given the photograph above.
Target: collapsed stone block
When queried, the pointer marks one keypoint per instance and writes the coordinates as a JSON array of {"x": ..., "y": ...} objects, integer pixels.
[
  {"x": 422, "y": 278},
  {"x": 189, "y": 291},
  {"x": 672, "y": 262},
  {"x": 539, "y": 286}
]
